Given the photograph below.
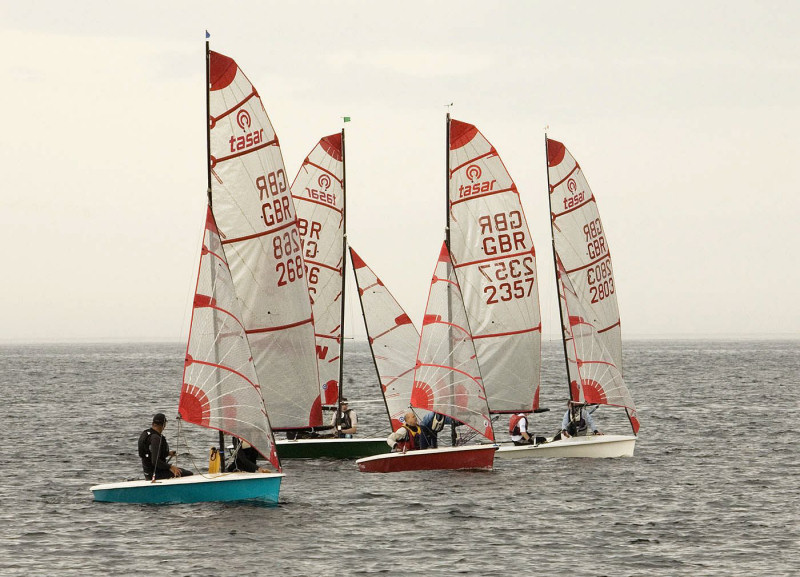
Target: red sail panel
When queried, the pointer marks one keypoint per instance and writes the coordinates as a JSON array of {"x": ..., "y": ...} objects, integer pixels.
[{"x": 258, "y": 225}]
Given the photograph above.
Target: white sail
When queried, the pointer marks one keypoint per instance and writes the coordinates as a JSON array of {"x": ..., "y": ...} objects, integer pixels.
[
  {"x": 590, "y": 315},
  {"x": 318, "y": 194},
  {"x": 392, "y": 337},
  {"x": 495, "y": 262},
  {"x": 256, "y": 218},
  {"x": 220, "y": 385},
  {"x": 582, "y": 246},
  {"x": 447, "y": 378}
]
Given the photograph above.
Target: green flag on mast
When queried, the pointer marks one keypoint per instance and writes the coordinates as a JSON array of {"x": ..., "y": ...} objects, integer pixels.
[{"x": 346, "y": 118}]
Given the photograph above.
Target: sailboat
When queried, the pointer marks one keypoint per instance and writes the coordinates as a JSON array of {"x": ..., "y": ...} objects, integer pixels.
[
  {"x": 495, "y": 262},
  {"x": 251, "y": 343},
  {"x": 318, "y": 192},
  {"x": 446, "y": 380}
]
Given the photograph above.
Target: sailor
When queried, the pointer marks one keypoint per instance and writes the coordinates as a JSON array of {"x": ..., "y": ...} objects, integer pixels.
[
  {"x": 154, "y": 452},
  {"x": 245, "y": 457},
  {"x": 431, "y": 425},
  {"x": 518, "y": 429},
  {"x": 407, "y": 437},
  {"x": 344, "y": 421},
  {"x": 578, "y": 420}
]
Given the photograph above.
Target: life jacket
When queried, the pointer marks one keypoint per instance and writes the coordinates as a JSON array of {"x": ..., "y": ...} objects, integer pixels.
[
  {"x": 144, "y": 444},
  {"x": 344, "y": 419},
  {"x": 513, "y": 424},
  {"x": 411, "y": 442},
  {"x": 577, "y": 422}
]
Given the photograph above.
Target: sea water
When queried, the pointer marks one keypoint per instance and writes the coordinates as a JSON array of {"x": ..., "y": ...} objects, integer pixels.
[{"x": 712, "y": 489}]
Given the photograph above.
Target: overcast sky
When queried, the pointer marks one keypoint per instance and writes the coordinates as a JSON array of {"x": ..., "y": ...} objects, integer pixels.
[{"x": 684, "y": 116}]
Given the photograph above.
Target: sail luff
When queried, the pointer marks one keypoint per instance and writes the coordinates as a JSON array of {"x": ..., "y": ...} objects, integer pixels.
[
  {"x": 556, "y": 273},
  {"x": 344, "y": 281}
]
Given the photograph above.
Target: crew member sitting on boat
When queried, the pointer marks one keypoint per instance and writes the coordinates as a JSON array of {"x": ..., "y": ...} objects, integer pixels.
[
  {"x": 578, "y": 420},
  {"x": 407, "y": 437},
  {"x": 244, "y": 458},
  {"x": 344, "y": 421},
  {"x": 154, "y": 452}
]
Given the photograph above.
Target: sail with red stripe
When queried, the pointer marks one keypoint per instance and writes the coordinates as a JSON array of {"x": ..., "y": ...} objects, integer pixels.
[
  {"x": 318, "y": 194},
  {"x": 590, "y": 314},
  {"x": 256, "y": 217},
  {"x": 447, "y": 378},
  {"x": 393, "y": 339},
  {"x": 495, "y": 261},
  {"x": 220, "y": 384}
]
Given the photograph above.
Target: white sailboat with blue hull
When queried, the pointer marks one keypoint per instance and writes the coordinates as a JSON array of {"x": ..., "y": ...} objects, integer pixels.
[{"x": 225, "y": 380}]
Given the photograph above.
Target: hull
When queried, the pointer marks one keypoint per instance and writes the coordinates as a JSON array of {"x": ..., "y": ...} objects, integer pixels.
[
  {"x": 262, "y": 487},
  {"x": 452, "y": 458},
  {"x": 331, "y": 448},
  {"x": 594, "y": 446}
]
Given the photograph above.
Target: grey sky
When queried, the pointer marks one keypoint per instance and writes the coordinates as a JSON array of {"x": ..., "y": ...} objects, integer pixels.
[{"x": 684, "y": 117}]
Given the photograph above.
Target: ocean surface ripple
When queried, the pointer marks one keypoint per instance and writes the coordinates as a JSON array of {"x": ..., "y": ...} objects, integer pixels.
[{"x": 711, "y": 490}]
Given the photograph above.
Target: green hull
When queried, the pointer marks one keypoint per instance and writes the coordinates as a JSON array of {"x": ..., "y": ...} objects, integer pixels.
[{"x": 331, "y": 448}]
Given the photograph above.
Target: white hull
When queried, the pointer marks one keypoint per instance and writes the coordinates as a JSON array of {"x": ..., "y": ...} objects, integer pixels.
[{"x": 594, "y": 446}]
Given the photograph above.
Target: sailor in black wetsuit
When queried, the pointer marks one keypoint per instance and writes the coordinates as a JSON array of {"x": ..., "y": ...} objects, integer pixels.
[{"x": 154, "y": 451}]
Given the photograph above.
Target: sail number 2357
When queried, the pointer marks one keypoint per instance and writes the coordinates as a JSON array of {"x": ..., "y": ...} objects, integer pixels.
[{"x": 508, "y": 279}]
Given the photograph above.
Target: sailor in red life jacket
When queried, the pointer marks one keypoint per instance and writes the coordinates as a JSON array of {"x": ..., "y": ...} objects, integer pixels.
[
  {"x": 407, "y": 437},
  {"x": 518, "y": 429}
]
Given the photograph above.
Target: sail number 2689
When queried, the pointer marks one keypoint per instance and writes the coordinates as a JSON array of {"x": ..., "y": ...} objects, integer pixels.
[{"x": 286, "y": 250}]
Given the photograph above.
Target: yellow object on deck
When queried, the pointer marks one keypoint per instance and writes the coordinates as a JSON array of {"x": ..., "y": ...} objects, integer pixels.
[{"x": 213, "y": 460}]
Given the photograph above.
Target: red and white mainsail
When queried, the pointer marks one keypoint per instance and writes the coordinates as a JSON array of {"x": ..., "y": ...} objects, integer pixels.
[
  {"x": 220, "y": 385},
  {"x": 392, "y": 337},
  {"x": 447, "y": 378},
  {"x": 318, "y": 194},
  {"x": 590, "y": 315},
  {"x": 256, "y": 218},
  {"x": 495, "y": 261}
]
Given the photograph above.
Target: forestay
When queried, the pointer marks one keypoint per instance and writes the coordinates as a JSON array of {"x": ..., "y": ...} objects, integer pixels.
[
  {"x": 447, "y": 378},
  {"x": 220, "y": 385},
  {"x": 392, "y": 337},
  {"x": 256, "y": 218},
  {"x": 495, "y": 262},
  {"x": 319, "y": 198}
]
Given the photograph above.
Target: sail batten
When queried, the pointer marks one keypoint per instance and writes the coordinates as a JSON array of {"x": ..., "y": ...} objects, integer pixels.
[{"x": 495, "y": 260}]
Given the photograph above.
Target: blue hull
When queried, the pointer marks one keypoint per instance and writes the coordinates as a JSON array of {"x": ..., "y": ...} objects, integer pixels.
[{"x": 260, "y": 487}]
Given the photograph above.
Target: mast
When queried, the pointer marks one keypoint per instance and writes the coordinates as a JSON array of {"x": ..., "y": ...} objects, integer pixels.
[
  {"x": 447, "y": 243},
  {"x": 555, "y": 265},
  {"x": 344, "y": 282},
  {"x": 210, "y": 203}
]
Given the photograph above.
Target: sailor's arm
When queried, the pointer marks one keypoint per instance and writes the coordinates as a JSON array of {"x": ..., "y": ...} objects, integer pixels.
[{"x": 399, "y": 435}]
